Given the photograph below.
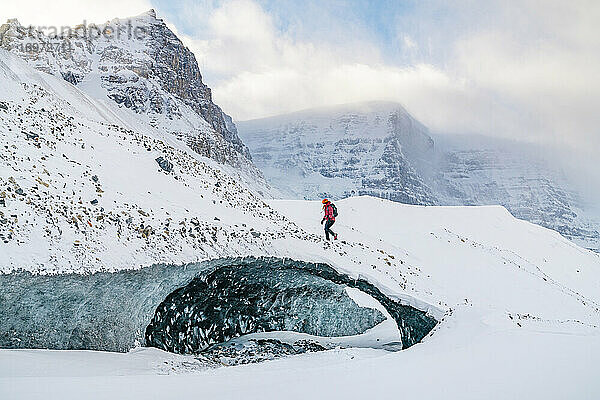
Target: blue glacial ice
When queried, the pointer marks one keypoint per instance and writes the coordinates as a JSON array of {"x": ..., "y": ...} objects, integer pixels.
[{"x": 188, "y": 308}]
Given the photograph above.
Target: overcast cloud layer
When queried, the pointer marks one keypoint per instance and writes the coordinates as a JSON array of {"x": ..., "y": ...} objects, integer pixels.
[{"x": 519, "y": 69}]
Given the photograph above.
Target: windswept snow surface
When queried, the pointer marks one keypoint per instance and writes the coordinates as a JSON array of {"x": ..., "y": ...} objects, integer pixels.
[{"x": 520, "y": 307}]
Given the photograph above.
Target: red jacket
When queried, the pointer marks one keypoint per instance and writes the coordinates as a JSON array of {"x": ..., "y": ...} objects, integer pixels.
[{"x": 328, "y": 208}]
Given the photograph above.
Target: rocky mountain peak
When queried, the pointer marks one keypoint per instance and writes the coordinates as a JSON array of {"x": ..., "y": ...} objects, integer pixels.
[
  {"x": 151, "y": 13},
  {"x": 141, "y": 65},
  {"x": 11, "y": 23}
]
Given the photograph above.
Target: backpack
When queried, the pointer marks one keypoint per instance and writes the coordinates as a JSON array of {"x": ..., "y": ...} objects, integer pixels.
[{"x": 335, "y": 213}]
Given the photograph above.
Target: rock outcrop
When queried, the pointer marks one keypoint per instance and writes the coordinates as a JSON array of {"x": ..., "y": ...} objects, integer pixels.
[{"x": 140, "y": 64}]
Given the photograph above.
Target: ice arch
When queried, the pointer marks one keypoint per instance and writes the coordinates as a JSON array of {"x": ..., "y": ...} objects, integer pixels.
[{"x": 188, "y": 307}]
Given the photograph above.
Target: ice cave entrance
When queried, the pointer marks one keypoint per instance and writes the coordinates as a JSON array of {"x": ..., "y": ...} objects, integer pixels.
[
  {"x": 275, "y": 295},
  {"x": 197, "y": 307}
]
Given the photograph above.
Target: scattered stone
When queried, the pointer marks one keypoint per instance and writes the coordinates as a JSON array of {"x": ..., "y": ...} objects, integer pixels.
[
  {"x": 95, "y": 178},
  {"x": 309, "y": 345},
  {"x": 20, "y": 192},
  {"x": 41, "y": 182},
  {"x": 165, "y": 164},
  {"x": 255, "y": 234}
]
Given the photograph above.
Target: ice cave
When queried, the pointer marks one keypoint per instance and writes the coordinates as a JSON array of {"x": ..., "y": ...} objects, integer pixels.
[{"x": 188, "y": 308}]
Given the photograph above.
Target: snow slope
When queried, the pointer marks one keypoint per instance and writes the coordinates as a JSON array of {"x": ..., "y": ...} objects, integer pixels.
[
  {"x": 520, "y": 309},
  {"x": 82, "y": 190},
  {"x": 499, "y": 364}
]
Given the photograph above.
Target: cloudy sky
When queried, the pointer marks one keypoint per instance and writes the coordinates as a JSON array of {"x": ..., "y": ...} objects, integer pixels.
[{"x": 525, "y": 69}]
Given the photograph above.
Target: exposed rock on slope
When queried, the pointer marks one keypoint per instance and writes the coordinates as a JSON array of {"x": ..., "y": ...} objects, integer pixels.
[{"x": 140, "y": 64}]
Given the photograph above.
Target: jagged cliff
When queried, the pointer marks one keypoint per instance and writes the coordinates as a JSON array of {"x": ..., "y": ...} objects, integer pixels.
[{"x": 140, "y": 64}]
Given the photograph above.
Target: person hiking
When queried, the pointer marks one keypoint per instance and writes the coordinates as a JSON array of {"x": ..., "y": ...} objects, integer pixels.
[{"x": 330, "y": 213}]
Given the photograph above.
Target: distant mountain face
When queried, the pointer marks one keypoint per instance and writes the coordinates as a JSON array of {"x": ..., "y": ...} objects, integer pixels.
[
  {"x": 379, "y": 149},
  {"x": 140, "y": 64},
  {"x": 480, "y": 171},
  {"x": 371, "y": 148}
]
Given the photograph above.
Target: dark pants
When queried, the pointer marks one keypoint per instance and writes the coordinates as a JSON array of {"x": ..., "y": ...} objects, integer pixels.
[{"x": 328, "y": 231}]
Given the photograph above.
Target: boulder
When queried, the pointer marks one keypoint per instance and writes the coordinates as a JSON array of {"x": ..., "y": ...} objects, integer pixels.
[{"x": 165, "y": 164}]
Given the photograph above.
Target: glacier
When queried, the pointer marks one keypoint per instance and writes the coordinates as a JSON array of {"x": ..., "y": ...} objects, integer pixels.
[{"x": 186, "y": 308}]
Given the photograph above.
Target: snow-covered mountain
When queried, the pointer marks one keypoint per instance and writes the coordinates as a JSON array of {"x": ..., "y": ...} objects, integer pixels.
[
  {"x": 377, "y": 148},
  {"x": 140, "y": 64},
  {"x": 532, "y": 186},
  {"x": 369, "y": 148}
]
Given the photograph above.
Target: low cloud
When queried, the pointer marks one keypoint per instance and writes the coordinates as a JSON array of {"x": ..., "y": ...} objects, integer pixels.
[{"x": 524, "y": 71}]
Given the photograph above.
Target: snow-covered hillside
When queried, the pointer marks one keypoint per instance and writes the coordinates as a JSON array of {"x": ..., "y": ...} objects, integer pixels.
[
  {"x": 356, "y": 149},
  {"x": 81, "y": 187},
  {"x": 520, "y": 304}
]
